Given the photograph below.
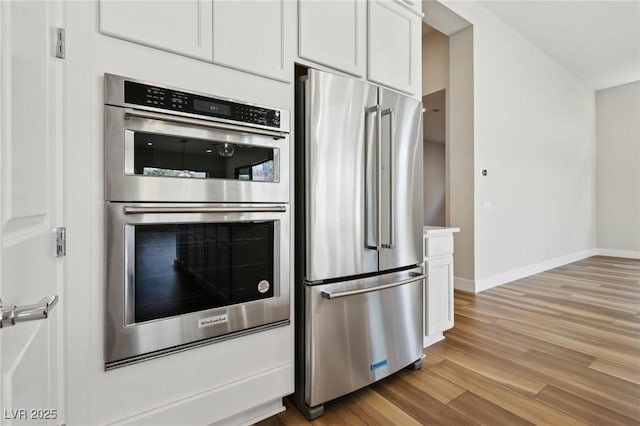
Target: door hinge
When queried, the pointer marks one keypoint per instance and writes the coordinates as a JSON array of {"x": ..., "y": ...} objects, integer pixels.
[
  {"x": 61, "y": 242},
  {"x": 60, "y": 43}
]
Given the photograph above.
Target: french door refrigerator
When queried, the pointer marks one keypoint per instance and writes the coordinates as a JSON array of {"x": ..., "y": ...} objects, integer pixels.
[{"x": 359, "y": 276}]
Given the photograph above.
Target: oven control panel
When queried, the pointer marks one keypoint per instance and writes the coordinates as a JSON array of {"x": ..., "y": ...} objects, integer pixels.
[{"x": 174, "y": 100}]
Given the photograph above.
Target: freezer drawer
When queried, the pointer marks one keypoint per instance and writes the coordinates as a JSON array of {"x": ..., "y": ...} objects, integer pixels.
[{"x": 357, "y": 332}]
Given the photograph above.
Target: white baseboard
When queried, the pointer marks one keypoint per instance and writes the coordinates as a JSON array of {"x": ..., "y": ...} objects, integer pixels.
[
  {"x": 464, "y": 284},
  {"x": 627, "y": 254},
  {"x": 430, "y": 340},
  {"x": 516, "y": 274},
  {"x": 254, "y": 415}
]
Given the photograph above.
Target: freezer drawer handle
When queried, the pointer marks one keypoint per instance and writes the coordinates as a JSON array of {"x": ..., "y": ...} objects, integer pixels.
[
  {"x": 329, "y": 295},
  {"x": 187, "y": 209}
]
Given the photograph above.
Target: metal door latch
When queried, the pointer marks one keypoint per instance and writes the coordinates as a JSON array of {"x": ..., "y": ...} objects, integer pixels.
[
  {"x": 11, "y": 315},
  {"x": 61, "y": 242},
  {"x": 60, "y": 43}
]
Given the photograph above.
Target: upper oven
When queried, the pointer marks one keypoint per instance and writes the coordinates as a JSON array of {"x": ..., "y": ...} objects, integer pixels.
[{"x": 169, "y": 145}]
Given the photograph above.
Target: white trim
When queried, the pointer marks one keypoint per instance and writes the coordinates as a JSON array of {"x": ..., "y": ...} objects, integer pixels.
[
  {"x": 254, "y": 415},
  {"x": 628, "y": 254},
  {"x": 225, "y": 404},
  {"x": 516, "y": 274},
  {"x": 464, "y": 284},
  {"x": 430, "y": 340},
  {"x": 411, "y": 7}
]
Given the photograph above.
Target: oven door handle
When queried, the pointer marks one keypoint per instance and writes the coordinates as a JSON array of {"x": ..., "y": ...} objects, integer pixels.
[
  {"x": 195, "y": 209},
  {"x": 202, "y": 123}
]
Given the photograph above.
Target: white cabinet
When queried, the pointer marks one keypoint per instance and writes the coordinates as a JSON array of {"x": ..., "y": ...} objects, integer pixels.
[
  {"x": 252, "y": 36},
  {"x": 394, "y": 48},
  {"x": 255, "y": 36},
  {"x": 439, "y": 296},
  {"x": 333, "y": 34},
  {"x": 438, "y": 303},
  {"x": 182, "y": 27}
]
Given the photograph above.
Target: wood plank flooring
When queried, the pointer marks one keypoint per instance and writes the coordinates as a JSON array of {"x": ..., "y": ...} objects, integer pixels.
[{"x": 557, "y": 348}]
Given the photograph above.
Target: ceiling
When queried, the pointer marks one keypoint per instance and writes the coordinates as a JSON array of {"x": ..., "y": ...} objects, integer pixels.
[{"x": 598, "y": 41}]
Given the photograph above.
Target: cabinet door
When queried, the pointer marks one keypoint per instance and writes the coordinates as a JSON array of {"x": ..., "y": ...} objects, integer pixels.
[
  {"x": 182, "y": 27},
  {"x": 333, "y": 34},
  {"x": 394, "y": 46},
  {"x": 254, "y": 36},
  {"x": 439, "y": 295}
]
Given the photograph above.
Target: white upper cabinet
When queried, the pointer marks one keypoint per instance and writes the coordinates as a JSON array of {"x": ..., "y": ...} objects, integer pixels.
[
  {"x": 379, "y": 40},
  {"x": 333, "y": 34},
  {"x": 182, "y": 27},
  {"x": 394, "y": 51},
  {"x": 255, "y": 36}
]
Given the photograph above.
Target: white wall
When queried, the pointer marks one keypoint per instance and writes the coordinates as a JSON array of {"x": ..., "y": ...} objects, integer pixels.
[
  {"x": 618, "y": 170},
  {"x": 460, "y": 154},
  {"x": 534, "y": 133},
  {"x": 435, "y": 62},
  {"x": 434, "y": 183}
]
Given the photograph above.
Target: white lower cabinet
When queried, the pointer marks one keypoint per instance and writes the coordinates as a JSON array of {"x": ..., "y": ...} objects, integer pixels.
[{"x": 438, "y": 303}]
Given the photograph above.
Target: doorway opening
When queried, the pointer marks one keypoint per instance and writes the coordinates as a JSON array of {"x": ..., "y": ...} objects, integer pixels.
[
  {"x": 435, "y": 82},
  {"x": 447, "y": 72},
  {"x": 434, "y": 124}
]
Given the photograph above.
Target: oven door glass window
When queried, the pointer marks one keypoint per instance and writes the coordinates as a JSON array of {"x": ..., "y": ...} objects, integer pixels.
[
  {"x": 172, "y": 156},
  {"x": 183, "y": 268}
]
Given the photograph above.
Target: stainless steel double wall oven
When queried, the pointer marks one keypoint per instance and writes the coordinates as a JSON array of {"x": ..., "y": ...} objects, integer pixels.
[{"x": 197, "y": 219}]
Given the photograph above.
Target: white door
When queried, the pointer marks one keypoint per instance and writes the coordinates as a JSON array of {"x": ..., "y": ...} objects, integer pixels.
[{"x": 30, "y": 190}]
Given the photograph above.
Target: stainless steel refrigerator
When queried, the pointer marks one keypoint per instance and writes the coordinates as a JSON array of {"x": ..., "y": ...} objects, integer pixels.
[{"x": 359, "y": 276}]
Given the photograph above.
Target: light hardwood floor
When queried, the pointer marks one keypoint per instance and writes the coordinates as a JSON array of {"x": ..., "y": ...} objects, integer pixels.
[{"x": 560, "y": 348}]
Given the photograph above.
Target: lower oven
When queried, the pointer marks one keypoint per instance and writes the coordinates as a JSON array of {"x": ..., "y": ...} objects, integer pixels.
[{"x": 181, "y": 275}]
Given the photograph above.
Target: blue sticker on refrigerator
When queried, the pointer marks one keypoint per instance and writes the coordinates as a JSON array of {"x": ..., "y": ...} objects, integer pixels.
[{"x": 378, "y": 364}]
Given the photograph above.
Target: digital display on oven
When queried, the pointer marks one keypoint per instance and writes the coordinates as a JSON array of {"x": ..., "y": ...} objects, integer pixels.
[
  {"x": 211, "y": 107},
  {"x": 158, "y": 97}
]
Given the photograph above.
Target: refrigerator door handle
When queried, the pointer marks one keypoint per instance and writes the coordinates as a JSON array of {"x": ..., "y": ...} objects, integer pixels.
[
  {"x": 376, "y": 109},
  {"x": 392, "y": 202},
  {"x": 379, "y": 180},
  {"x": 329, "y": 295}
]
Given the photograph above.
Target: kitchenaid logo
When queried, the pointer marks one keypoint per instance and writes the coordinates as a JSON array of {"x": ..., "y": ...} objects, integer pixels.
[{"x": 208, "y": 322}]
